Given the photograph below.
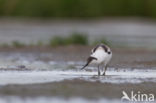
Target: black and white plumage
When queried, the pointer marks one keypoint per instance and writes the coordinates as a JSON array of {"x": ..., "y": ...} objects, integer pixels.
[{"x": 100, "y": 55}]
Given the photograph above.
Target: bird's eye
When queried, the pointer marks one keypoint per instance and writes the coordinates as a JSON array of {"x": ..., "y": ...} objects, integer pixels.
[{"x": 109, "y": 52}]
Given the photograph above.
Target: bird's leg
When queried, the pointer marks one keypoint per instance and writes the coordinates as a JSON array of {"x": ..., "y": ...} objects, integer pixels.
[
  {"x": 98, "y": 70},
  {"x": 105, "y": 68}
]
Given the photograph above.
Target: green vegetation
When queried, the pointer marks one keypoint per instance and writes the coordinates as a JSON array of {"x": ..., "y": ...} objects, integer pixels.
[
  {"x": 75, "y": 39},
  {"x": 17, "y": 44},
  {"x": 4, "y": 45},
  {"x": 57, "y": 40},
  {"x": 39, "y": 43},
  {"x": 77, "y": 8},
  {"x": 102, "y": 40}
]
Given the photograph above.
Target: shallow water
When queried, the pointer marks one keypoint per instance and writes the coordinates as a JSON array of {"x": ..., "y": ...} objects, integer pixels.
[{"x": 32, "y": 77}]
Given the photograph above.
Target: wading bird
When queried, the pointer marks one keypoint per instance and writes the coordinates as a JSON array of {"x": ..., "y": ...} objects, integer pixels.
[{"x": 100, "y": 55}]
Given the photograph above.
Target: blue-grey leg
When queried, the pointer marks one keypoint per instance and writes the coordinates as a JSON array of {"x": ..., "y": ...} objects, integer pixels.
[
  {"x": 98, "y": 70},
  {"x": 105, "y": 68}
]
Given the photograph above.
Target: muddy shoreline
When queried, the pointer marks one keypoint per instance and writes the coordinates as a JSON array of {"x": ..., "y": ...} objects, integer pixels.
[
  {"x": 77, "y": 88},
  {"x": 122, "y": 57},
  {"x": 73, "y": 56}
]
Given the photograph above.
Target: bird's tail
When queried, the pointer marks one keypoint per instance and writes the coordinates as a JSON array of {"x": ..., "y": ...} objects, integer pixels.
[{"x": 88, "y": 62}]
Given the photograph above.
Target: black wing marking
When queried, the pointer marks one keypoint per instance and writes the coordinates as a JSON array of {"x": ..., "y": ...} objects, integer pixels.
[
  {"x": 94, "y": 49},
  {"x": 100, "y": 45},
  {"x": 88, "y": 61},
  {"x": 104, "y": 47}
]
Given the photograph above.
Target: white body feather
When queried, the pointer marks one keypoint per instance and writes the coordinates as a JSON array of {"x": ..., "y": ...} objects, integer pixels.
[{"x": 102, "y": 56}]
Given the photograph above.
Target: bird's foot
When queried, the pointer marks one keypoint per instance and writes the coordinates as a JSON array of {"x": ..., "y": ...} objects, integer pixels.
[{"x": 104, "y": 74}]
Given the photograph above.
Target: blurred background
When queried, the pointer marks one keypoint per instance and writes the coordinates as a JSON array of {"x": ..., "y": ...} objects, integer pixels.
[
  {"x": 124, "y": 23},
  {"x": 44, "y": 43}
]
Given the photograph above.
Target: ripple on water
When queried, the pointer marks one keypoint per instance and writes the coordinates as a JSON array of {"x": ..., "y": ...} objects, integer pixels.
[{"x": 29, "y": 77}]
